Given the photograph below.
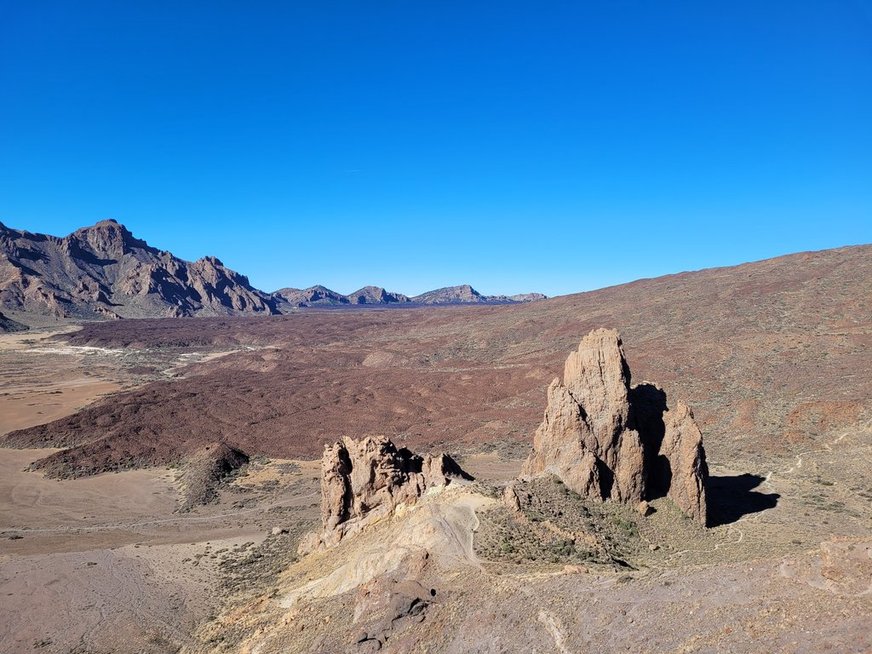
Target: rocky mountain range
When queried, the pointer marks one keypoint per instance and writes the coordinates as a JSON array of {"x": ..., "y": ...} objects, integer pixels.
[
  {"x": 315, "y": 296},
  {"x": 104, "y": 271}
]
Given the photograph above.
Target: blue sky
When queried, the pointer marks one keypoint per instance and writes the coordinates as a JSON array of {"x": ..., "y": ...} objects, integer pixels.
[{"x": 516, "y": 146}]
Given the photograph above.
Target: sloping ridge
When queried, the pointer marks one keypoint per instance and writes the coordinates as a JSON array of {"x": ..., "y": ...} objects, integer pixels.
[{"x": 9, "y": 325}]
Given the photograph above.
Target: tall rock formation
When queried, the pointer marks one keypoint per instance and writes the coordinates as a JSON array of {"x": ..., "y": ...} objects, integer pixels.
[
  {"x": 608, "y": 439},
  {"x": 362, "y": 481}
]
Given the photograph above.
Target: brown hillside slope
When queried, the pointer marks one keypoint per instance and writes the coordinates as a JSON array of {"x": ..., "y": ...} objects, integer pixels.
[{"x": 772, "y": 355}]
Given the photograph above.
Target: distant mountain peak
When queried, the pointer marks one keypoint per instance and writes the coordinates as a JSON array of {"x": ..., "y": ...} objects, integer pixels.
[
  {"x": 376, "y": 295},
  {"x": 104, "y": 271},
  {"x": 313, "y": 296},
  {"x": 211, "y": 260},
  {"x": 108, "y": 238},
  {"x": 321, "y": 296},
  {"x": 461, "y": 294}
]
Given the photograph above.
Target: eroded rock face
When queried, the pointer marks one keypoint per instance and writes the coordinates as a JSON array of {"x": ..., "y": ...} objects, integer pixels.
[
  {"x": 362, "y": 481},
  {"x": 607, "y": 439}
]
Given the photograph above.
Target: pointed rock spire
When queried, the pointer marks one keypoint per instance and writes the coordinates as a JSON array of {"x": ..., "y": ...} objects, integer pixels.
[{"x": 607, "y": 439}]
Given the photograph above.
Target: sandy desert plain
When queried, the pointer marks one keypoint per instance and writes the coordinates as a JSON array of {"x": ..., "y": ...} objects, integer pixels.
[{"x": 119, "y": 534}]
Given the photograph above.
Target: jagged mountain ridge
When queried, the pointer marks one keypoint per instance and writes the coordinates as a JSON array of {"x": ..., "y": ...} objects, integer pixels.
[
  {"x": 104, "y": 271},
  {"x": 321, "y": 296},
  {"x": 466, "y": 294}
]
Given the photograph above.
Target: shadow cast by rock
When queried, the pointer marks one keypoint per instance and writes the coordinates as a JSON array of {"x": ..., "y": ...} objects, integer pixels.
[{"x": 732, "y": 496}]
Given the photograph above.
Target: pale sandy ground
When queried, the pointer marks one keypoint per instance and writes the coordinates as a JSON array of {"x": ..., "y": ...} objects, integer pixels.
[
  {"x": 90, "y": 563},
  {"x": 106, "y": 564},
  {"x": 41, "y": 381}
]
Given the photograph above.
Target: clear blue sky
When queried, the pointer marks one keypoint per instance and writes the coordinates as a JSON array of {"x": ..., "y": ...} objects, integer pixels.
[{"x": 515, "y": 146}]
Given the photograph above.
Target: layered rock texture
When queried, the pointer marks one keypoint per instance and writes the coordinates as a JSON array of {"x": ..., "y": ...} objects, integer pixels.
[
  {"x": 104, "y": 271},
  {"x": 363, "y": 481},
  {"x": 608, "y": 439}
]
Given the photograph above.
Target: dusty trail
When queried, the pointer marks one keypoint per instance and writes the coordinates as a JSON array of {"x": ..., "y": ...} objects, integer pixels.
[
  {"x": 150, "y": 523},
  {"x": 863, "y": 429}
]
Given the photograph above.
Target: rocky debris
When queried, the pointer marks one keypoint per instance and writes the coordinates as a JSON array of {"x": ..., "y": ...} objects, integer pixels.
[
  {"x": 365, "y": 480},
  {"x": 842, "y": 566},
  {"x": 542, "y": 521},
  {"x": 250, "y": 568},
  {"x": 387, "y": 607},
  {"x": 608, "y": 439},
  {"x": 205, "y": 471}
]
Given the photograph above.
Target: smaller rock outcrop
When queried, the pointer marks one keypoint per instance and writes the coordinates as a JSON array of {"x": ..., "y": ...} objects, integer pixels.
[
  {"x": 608, "y": 439},
  {"x": 205, "y": 471},
  {"x": 363, "y": 481}
]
